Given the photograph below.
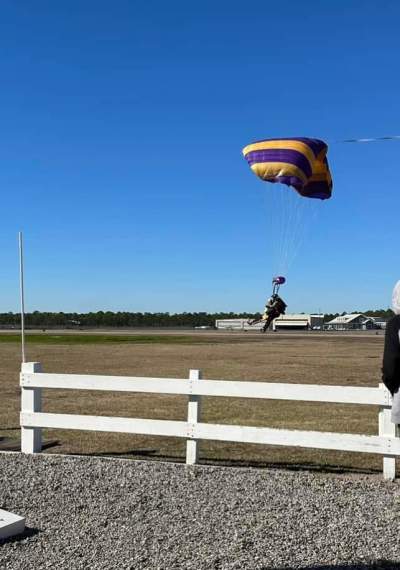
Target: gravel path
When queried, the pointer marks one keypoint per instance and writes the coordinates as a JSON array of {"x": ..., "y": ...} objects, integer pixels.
[{"x": 90, "y": 513}]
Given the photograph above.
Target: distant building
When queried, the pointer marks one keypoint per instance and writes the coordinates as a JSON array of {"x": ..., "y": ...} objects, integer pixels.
[
  {"x": 380, "y": 322},
  {"x": 299, "y": 321},
  {"x": 304, "y": 321},
  {"x": 294, "y": 321},
  {"x": 234, "y": 325},
  {"x": 355, "y": 321}
]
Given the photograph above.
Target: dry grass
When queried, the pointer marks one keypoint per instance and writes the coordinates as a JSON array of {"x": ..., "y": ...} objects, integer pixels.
[{"x": 312, "y": 359}]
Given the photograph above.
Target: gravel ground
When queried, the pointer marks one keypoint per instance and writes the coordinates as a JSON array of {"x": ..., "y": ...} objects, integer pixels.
[{"x": 89, "y": 513}]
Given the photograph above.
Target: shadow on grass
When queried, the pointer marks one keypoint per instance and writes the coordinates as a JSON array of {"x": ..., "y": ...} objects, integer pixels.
[
  {"x": 28, "y": 533},
  {"x": 376, "y": 565},
  {"x": 150, "y": 454},
  {"x": 8, "y": 444}
]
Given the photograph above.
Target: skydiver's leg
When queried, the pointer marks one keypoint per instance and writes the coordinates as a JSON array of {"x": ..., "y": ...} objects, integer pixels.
[
  {"x": 274, "y": 314},
  {"x": 267, "y": 323},
  {"x": 254, "y": 321}
]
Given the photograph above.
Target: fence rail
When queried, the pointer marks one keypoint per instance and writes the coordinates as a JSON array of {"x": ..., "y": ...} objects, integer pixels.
[
  {"x": 33, "y": 380},
  {"x": 235, "y": 389}
]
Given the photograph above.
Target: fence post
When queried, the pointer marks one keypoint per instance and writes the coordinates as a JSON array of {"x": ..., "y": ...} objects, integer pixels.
[
  {"x": 31, "y": 401},
  {"x": 192, "y": 446},
  {"x": 387, "y": 429}
]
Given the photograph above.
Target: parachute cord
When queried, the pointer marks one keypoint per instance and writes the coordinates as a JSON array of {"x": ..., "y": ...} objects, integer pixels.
[{"x": 290, "y": 219}]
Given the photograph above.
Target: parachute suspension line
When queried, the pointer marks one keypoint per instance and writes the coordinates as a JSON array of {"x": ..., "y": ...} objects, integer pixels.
[
  {"x": 289, "y": 220},
  {"x": 288, "y": 223},
  {"x": 289, "y": 230},
  {"x": 281, "y": 214},
  {"x": 306, "y": 215},
  {"x": 290, "y": 233},
  {"x": 296, "y": 228},
  {"x": 292, "y": 229},
  {"x": 298, "y": 217}
]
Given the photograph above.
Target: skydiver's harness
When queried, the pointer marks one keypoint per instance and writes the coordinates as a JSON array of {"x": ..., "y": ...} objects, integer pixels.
[{"x": 276, "y": 307}]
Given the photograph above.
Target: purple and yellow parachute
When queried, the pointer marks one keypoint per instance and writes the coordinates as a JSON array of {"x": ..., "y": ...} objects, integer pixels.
[{"x": 298, "y": 162}]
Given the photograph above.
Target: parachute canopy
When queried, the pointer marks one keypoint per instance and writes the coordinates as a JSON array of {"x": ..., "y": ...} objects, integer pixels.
[{"x": 298, "y": 162}]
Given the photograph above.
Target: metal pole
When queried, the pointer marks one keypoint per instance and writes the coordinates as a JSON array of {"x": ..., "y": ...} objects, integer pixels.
[{"x": 21, "y": 287}]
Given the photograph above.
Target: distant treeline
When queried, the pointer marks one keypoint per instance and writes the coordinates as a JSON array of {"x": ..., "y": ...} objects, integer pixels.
[
  {"x": 120, "y": 319},
  {"x": 124, "y": 319}
]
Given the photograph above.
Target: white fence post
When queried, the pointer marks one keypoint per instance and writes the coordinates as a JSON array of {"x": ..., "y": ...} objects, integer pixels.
[
  {"x": 192, "y": 446},
  {"x": 387, "y": 429},
  {"x": 31, "y": 401}
]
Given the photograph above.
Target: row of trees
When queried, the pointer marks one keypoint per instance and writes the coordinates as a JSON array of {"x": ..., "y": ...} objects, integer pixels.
[
  {"x": 125, "y": 319},
  {"x": 119, "y": 319}
]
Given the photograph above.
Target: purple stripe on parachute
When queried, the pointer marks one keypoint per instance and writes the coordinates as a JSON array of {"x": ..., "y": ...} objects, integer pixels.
[
  {"x": 316, "y": 145},
  {"x": 281, "y": 155},
  {"x": 317, "y": 190},
  {"x": 321, "y": 190}
]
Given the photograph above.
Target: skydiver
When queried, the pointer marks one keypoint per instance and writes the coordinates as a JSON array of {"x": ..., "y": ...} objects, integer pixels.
[{"x": 274, "y": 307}]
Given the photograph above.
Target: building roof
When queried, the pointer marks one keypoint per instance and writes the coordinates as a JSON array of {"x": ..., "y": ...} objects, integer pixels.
[
  {"x": 297, "y": 316},
  {"x": 346, "y": 319}
]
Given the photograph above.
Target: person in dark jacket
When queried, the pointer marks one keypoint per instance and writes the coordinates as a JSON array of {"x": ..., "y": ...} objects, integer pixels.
[{"x": 391, "y": 355}]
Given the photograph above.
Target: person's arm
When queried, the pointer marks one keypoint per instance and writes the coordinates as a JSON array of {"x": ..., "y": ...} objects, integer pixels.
[{"x": 391, "y": 356}]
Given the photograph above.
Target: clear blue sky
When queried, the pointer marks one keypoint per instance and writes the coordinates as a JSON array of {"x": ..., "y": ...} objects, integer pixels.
[{"x": 122, "y": 125}]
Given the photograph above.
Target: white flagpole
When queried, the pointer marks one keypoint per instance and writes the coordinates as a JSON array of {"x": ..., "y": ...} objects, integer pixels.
[{"x": 21, "y": 287}]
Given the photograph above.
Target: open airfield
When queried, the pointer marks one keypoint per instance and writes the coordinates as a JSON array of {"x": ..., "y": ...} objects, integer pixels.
[{"x": 307, "y": 358}]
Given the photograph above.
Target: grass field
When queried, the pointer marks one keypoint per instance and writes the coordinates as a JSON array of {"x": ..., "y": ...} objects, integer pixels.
[
  {"x": 351, "y": 360},
  {"x": 73, "y": 338}
]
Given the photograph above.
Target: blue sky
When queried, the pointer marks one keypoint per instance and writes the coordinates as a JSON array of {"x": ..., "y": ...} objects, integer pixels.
[{"x": 122, "y": 125}]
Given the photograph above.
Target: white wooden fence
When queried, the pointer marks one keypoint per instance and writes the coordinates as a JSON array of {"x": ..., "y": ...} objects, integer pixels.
[{"x": 33, "y": 420}]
